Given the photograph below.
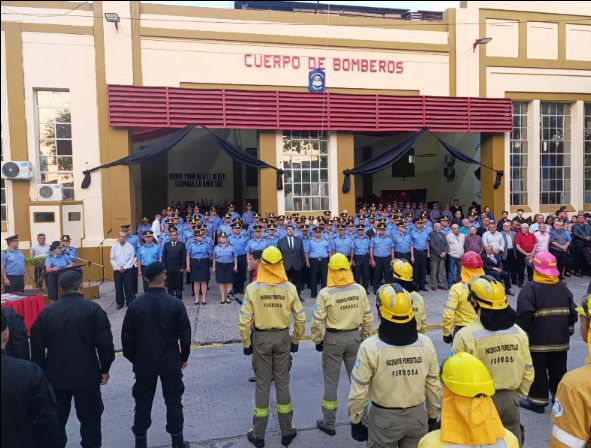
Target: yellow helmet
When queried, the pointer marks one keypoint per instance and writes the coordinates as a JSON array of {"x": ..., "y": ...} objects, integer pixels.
[
  {"x": 466, "y": 375},
  {"x": 402, "y": 270},
  {"x": 488, "y": 292},
  {"x": 338, "y": 262},
  {"x": 583, "y": 310},
  {"x": 394, "y": 304},
  {"x": 271, "y": 255}
]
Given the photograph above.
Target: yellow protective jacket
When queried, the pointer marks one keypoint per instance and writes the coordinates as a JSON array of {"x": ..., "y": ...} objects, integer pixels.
[
  {"x": 342, "y": 308},
  {"x": 271, "y": 307},
  {"x": 395, "y": 376},
  {"x": 418, "y": 308},
  {"x": 433, "y": 440},
  {"x": 571, "y": 413},
  {"x": 458, "y": 311},
  {"x": 505, "y": 354}
]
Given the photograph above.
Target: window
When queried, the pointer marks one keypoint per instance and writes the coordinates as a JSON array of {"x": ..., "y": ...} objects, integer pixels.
[
  {"x": 43, "y": 217},
  {"x": 305, "y": 162},
  {"x": 518, "y": 155},
  {"x": 555, "y": 157},
  {"x": 54, "y": 140},
  {"x": 2, "y": 185},
  {"x": 587, "y": 137}
]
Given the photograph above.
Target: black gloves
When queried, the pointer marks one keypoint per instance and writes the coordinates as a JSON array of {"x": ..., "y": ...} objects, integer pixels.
[
  {"x": 448, "y": 339},
  {"x": 359, "y": 432},
  {"x": 294, "y": 347},
  {"x": 432, "y": 424},
  {"x": 320, "y": 347},
  {"x": 248, "y": 351}
]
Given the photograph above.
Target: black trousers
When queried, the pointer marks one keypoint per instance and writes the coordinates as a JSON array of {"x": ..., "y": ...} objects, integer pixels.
[
  {"x": 240, "y": 277},
  {"x": 549, "y": 368},
  {"x": 403, "y": 256},
  {"x": 89, "y": 409},
  {"x": 143, "y": 392},
  {"x": 17, "y": 283},
  {"x": 509, "y": 265},
  {"x": 124, "y": 286},
  {"x": 361, "y": 272},
  {"x": 420, "y": 268},
  {"x": 39, "y": 276},
  {"x": 293, "y": 275},
  {"x": 582, "y": 259},
  {"x": 560, "y": 260},
  {"x": 520, "y": 268},
  {"x": 135, "y": 280},
  {"x": 382, "y": 268},
  {"x": 174, "y": 283},
  {"x": 318, "y": 271},
  {"x": 504, "y": 276}
]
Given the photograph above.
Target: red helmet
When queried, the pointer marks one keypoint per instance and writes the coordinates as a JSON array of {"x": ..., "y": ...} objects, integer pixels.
[{"x": 472, "y": 260}]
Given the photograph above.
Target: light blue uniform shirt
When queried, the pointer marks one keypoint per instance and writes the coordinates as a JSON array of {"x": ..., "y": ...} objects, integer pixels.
[
  {"x": 234, "y": 215},
  {"x": 134, "y": 241},
  {"x": 343, "y": 245},
  {"x": 143, "y": 228},
  {"x": 149, "y": 254},
  {"x": 224, "y": 254},
  {"x": 217, "y": 222},
  {"x": 13, "y": 262},
  {"x": 247, "y": 217},
  {"x": 57, "y": 261},
  {"x": 297, "y": 232},
  {"x": 280, "y": 232},
  {"x": 71, "y": 253},
  {"x": 445, "y": 230},
  {"x": 254, "y": 245},
  {"x": 227, "y": 228},
  {"x": 319, "y": 248},
  {"x": 239, "y": 242},
  {"x": 382, "y": 246},
  {"x": 402, "y": 243},
  {"x": 272, "y": 241},
  {"x": 199, "y": 250},
  {"x": 361, "y": 244},
  {"x": 306, "y": 244},
  {"x": 251, "y": 227},
  {"x": 420, "y": 239}
]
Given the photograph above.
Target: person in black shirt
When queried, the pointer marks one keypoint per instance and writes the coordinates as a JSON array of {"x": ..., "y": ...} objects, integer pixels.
[
  {"x": 154, "y": 327},
  {"x": 18, "y": 344},
  {"x": 29, "y": 417},
  {"x": 71, "y": 341}
]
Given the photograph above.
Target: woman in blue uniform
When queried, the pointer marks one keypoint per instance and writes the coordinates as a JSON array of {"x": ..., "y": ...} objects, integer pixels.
[
  {"x": 198, "y": 262},
  {"x": 225, "y": 265},
  {"x": 53, "y": 263}
]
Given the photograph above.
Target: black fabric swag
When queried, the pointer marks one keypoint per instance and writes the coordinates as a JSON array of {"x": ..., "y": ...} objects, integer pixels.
[{"x": 167, "y": 143}]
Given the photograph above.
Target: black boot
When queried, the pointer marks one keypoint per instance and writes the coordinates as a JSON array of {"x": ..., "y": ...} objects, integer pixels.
[
  {"x": 178, "y": 441},
  {"x": 286, "y": 440},
  {"x": 258, "y": 443},
  {"x": 141, "y": 442}
]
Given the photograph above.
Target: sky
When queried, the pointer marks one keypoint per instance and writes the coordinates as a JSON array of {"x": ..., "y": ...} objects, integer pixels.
[{"x": 428, "y": 6}]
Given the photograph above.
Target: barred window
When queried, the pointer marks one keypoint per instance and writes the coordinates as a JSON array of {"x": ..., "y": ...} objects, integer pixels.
[
  {"x": 587, "y": 137},
  {"x": 519, "y": 154},
  {"x": 305, "y": 162},
  {"x": 54, "y": 140},
  {"x": 555, "y": 154}
]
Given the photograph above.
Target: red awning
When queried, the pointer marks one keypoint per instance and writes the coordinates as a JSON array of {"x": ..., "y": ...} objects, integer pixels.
[{"x": 167, "y": 107}]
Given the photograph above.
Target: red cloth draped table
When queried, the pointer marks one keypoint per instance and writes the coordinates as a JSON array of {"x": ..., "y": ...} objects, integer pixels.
[{"x": 28, "y": 306}]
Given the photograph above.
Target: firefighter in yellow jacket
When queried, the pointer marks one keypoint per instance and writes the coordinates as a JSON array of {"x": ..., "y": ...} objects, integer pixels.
[
  {"x": 468, "y": 414},
  {"x": 402, "y": 273},
  {"x": 398, "y": 369},
  {"x": 501, "y": 345},
  {"x": 270, "y": 302},
  {"x": 458, "y": 311},
  {"x": 342, "y": 307},
  {"x": 571, "y": 412}
]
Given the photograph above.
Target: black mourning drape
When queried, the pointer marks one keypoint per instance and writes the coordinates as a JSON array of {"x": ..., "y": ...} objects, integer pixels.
[
  {"x": 392, "y": 155},
  {"x": 167, "y": 143}
]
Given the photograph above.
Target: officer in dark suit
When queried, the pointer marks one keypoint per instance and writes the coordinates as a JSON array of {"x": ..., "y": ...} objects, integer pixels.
[
  {"x": 29, "y": 418},
  {"x": 71, "y": 341},
  {"x": 18, "y": 344},
  {"x": 294, "y": 259},
  {"x": 155, "y": 325},
  {"x": 174, "y": 258}
]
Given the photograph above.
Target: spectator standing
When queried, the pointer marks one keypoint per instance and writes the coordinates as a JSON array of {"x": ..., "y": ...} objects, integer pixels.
[
  {"x": 473, "y": 242},
  {"x": 438, "y": 248},
  {"x": 560, "y": 241},
  {"x": 543, "y": 238},
  {"x": 40, "y": 250},
  {"x": 455, "y": 243},
  {"x": 581, "y": 234},
  {"x": 494, "y": 238},
  {"x": 525, "y": 242},
  {"x": 123, "y": 261},
  {"x": 509, "y": 251}
]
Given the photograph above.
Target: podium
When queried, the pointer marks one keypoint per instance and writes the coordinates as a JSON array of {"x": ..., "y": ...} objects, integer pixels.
[{"x": 54, "y": 292}]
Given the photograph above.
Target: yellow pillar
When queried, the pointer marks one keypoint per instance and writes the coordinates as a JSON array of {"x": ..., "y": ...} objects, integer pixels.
[
  {"x": 346, "y": 160},
  {"x": 492, "y": 154},
  {"x": 267, "y": 176}
]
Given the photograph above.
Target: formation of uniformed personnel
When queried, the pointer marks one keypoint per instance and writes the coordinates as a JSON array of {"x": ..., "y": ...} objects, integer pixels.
[
  {"x": 71, "y": 341},
  {"x": 501, "y": 345},
  {"x": 156, "y": 338},
  {"x": 570, "y": 412},
  {"x": 402, "y": 272},
  {"x": 29, "y": 418},
  {"x": 270, "y": 302},
  {"x": 398, "y": 369},
  {"x": 458, "y": 311},
  {"x": 13, "y": 266},
  {"x": 468, "y": 414},
  {"x": 342, "y": 308},
  {"x": 18, "y": 343}
]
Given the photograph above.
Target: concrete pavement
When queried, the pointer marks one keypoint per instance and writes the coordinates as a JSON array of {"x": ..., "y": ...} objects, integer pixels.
[{"x": 218, "y": 398}]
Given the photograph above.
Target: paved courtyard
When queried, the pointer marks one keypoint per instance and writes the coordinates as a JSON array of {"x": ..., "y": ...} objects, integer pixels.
[{"x": 218, "y": 399}]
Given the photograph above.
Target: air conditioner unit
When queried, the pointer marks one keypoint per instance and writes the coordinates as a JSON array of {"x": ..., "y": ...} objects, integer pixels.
[
  {"x": 49, "y": 192},
  {"x": 16, "y": 170}
]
